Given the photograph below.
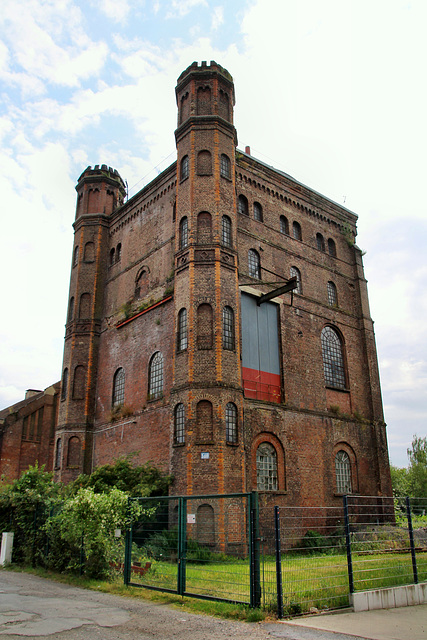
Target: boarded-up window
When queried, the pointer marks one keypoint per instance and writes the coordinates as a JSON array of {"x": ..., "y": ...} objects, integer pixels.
[
  {"x": 73, "y": 457},
  {"x": 89, "y": 254},
  {"x": 58, "y": 453},
  {"x": 93, "y": 201},
  {"x": 203, "y": 101},
  {"x": 205, "y": 521},
  {"x": 141, "y": 283},
  {"x": 79, "y": 382},
  {"x": 71, "y": 310},
  {"x": 204, "y": 421},
  {"x": 204, "y": 327},
  {"x": 260, "y": 350},
  {"x": 204, "y": 228},
  {"x": 204, "y": 163},
  {"x": 224, "y": 105},
  {"x": 64, "y": 386},
  {"x": 185, "y": 107},
  {"x": 84, "y": 308}
]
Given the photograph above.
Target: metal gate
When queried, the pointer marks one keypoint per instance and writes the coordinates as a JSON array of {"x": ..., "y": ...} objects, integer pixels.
[{"x": 201, "y": 546}]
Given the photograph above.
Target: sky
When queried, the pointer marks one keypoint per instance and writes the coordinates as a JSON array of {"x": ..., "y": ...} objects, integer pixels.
[{"x": 330, "y": 91}]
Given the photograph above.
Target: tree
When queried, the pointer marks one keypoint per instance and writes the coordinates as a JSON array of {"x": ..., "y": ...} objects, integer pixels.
[{"x": 417, "y": 472}]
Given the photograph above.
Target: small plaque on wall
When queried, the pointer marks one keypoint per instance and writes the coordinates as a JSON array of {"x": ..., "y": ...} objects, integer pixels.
[{"x": 204, "y": 455}]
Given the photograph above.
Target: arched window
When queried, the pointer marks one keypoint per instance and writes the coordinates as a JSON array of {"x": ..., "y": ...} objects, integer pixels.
[
  {"x": 64, "y": 386},
  {"x": 223, "y": 105},
  {"x": 254, "y": 264},
  {"x": 118, "y": 252},
  {"x": 333, "y": 358},
  {"x": 141, "y": 282},
  {"x": 296, "y": 230},
  {"x": 204, "y": 421},
  {"x": 89, "y": 253},
  {"x": 284, "y": 225},
  {"x": 204, "y": 101},
  {"x": 70, "y": 310},
  {"x": 204, "y": 163},
  {"x": 76, "y": 256},
  {"x": 242, "y": 205},
  {"x": 231, "y": 423},
  {"x": 226, "y": 232},
  {"x": 228, "y": 328},
  {"x": 79, "y": 382},
  {"x": 155, "y": 376},
  {"x": 119, "y": 388},
  {"x": 183, "y": 233},
  {"x": 332, "y": 294},
  {"x": 204, "y": 228},
  {"x": 266, "y": 467},
  {"x": 58, "y": 453},
  {"x": 343, "y": 472},
  {"x": 295, "y": 273},
  {"x": 112, "y": 256},
  {"x": 204, "y": 327},
  {"x": 225, "y": 166},
  {"x": 179, "y": 424},
  {"x": 73, "y": 454},
  {"x": 182, "y": 338},
  {"x": 258, "y": 212},
  {"x": 332, "y": 248},
  {"x": 185, "y": 168},
  {"x": 320, "y": 242},
  {"x": 84, "y": 307}
]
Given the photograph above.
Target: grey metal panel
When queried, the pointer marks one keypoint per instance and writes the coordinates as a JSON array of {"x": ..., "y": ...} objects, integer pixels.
[{"x": 260, "y": 339}]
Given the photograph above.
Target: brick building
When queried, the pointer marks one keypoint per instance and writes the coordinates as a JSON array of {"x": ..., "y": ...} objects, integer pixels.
[
  {"x": 27, "y": 431},
  {"x": 218, "y": 324}
]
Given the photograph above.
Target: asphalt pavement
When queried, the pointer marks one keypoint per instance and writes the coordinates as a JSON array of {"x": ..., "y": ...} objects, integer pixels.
[{"x": 33, "y": 607}]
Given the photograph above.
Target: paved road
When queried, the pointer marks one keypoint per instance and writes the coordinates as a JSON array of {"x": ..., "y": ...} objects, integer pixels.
[{"x": 32, "y": 607}]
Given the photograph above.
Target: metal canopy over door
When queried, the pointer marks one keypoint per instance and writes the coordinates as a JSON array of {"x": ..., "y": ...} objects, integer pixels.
[{"x": 260, "y": 350}]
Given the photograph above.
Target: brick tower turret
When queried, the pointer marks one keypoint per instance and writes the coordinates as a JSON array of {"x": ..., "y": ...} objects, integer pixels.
[
  {"x": 207, "y": 371},
  {"x": 99, "y": 192}
]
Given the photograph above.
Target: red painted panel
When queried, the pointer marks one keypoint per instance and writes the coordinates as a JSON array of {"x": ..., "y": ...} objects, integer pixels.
[{"x": 260, "y": 385}]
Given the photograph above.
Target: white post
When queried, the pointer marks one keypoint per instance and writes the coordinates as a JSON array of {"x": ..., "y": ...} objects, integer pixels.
[{"x": 6, "y": 548}]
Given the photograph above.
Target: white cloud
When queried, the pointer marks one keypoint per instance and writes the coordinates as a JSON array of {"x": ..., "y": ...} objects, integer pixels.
[
  {"x": 116, "y": 10},
  {"x": 217, "y": 18},
  {"x": 183, "y": 7}
]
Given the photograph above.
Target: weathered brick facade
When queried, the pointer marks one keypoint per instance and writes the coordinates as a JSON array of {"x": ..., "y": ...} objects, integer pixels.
[{"x": 156, "y": 334}]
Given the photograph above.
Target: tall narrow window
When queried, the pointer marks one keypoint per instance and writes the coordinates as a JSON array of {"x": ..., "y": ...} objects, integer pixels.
[
  {"x": 295, "y": 273},
  {"x": 71, "y": 310},
  {"x": 320, "y": 242},
  {"x": 254, "y": 264},
  {"x": 242, "y": 205},
  {"x": 225, "y": 166},
  {"x": 112, "y": 256},
  {"x": 204, "y": 101},
  {"x": 184, "y": 168},
  {"x": 266, "y": 467},
  {"x": 73, "y": 454},
  {"x": 332, "y": 294},
  {"x": 84, "y": 307},
  {"x": 204, "y": 327},
  {"x": 296, "y": 231},
  {"x": 226, "y": 231},
  {"x": 119, "y": 252},
  {"x": 333, "y": 358},
  {"x": 155, "y": 376},
  {"x": 284, "y": 225},
  {"x": 332, "y": 248},
  {"x": 89, "y": 252},
  {"x": 343, "y": 472},
  {"x": 119, "y": 388},
  {"x": 58, "y": 453},
  {"x": 179, "y": 424},
  {"x": 183, "y": 233},
  {"x": 76, "y": 256},
  {"x": 228, "y": 328},
  {"x": 231, "y": 423},
  {"x": 182, "y": 330},
  {"x": 258, "y": 212},
  {"x": 64, "y": 387}
]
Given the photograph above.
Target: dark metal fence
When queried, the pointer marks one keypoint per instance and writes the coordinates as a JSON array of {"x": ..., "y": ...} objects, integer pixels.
[{"x": 202, "y": 546}]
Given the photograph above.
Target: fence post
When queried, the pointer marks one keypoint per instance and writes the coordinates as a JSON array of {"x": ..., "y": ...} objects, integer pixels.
[
  {"x": 411, "y": 539},
  {"x": 182, "y": 544},
  {"x": 348, "y": 545},
  {"x": 255, "y": 567},
  {"x": 278, "y": 563},
  {"x": 128, "y": 549}
]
